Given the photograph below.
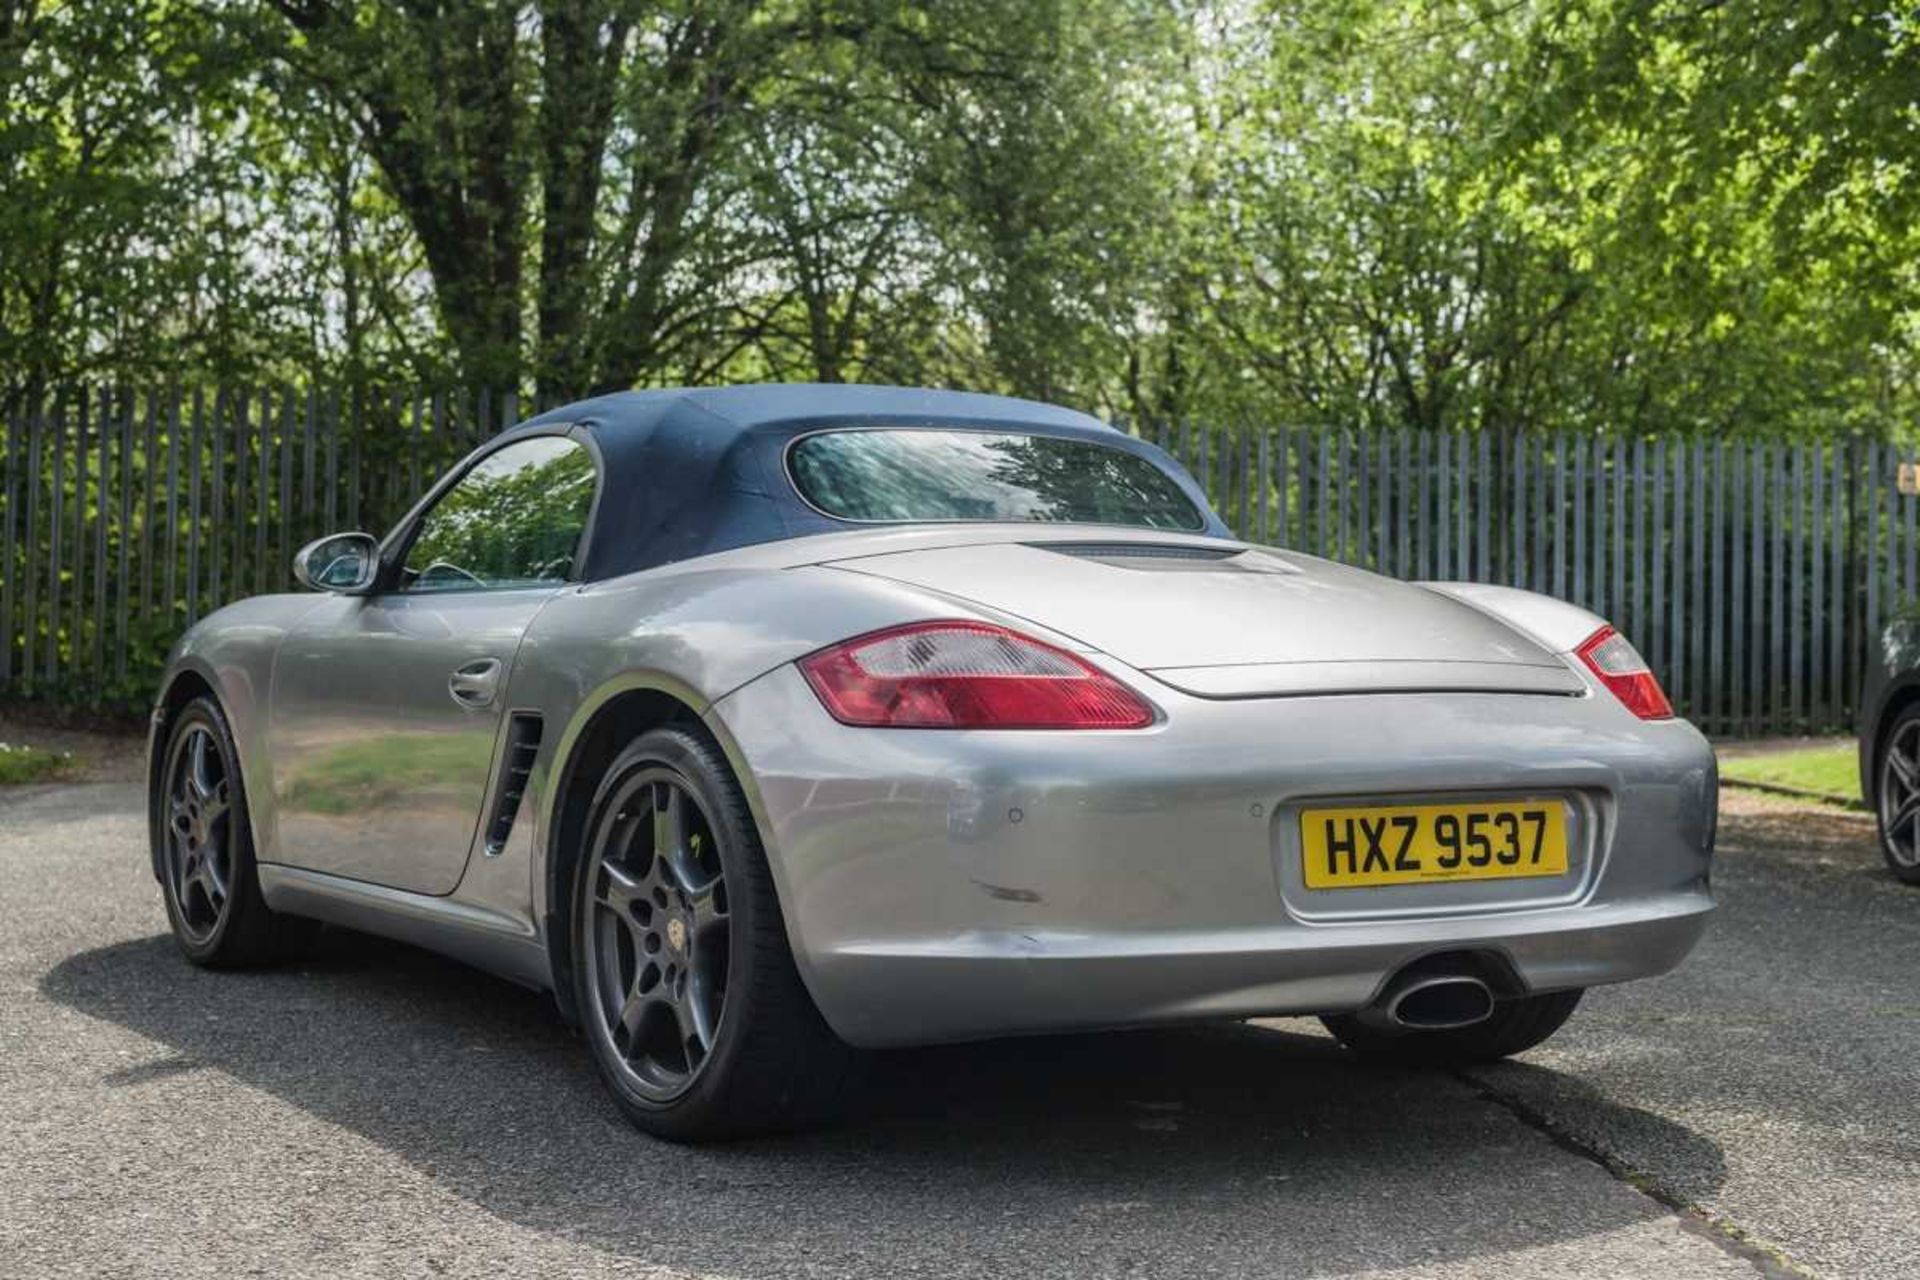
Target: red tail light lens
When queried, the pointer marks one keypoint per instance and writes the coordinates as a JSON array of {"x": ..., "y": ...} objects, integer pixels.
[
  {"x": 1620, "y": 667},
  {"x": 967, "y": 675}
]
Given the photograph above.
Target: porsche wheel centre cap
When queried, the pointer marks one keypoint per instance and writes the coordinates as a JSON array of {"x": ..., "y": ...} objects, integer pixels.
[{"x": 677, "y": 935}]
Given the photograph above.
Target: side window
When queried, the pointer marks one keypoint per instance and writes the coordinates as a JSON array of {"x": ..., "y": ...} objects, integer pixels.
[{"x": 515, "y": 520}]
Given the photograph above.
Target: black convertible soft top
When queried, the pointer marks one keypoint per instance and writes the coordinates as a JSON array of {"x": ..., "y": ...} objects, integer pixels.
[{"x": 691, "y": 472}]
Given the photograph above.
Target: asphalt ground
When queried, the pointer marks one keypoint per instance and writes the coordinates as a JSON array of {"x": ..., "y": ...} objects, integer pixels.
[{"x": 376, "y": 1111}]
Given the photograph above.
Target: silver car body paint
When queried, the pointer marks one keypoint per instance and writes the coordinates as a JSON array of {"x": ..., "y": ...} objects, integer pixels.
[
  {"x": 1552, "y": 624},
  {"x": 326, "y": 694},
  {"x": 942, "y": 885}
]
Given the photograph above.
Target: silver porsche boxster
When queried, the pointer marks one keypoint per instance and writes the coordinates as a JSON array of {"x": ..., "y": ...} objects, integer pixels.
[{"x": 765, "y": 724}]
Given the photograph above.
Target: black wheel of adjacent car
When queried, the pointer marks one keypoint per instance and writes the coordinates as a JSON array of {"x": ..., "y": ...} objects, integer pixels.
[
  {"x": 1898, "y": 796},
  {"x": 205, "y": 847},
  {"x": 696, "y": 1014},
  {"x": 1514, "y": 1026}
]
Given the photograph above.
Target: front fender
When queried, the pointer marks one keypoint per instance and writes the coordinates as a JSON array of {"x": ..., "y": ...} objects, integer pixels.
[{"x": 232, "y": 651}]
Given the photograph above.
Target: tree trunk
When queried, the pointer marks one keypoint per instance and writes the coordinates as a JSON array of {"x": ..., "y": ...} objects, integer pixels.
[
  {"x": 582, "y": 49},
  {"x": 436, "y": 99}
]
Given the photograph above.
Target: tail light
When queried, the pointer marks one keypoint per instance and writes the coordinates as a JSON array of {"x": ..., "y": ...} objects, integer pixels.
[
  {"x": 1610, "y": 656},
  {"x": 967, "y": 675}
]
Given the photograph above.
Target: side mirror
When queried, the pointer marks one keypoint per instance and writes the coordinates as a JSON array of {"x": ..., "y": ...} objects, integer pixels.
[{"x": 346, "y": 564}]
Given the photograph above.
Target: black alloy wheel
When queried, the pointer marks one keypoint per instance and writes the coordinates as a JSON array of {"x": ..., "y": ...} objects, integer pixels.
[
  {"x": 693, "y": 1006},
  {"x": 1898, "y": 797},
  {"x": 660, "y": 932},
  {"x": 199, "y": 857},
  {"x": 204, "y": 847}
]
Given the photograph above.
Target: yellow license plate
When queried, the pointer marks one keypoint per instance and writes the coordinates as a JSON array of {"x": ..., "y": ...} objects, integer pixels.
[{"x": 1369, "y": 845}]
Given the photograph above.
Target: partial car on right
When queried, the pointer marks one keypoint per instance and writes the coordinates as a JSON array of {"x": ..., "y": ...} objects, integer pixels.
[{"x": 1889, "y": 729}]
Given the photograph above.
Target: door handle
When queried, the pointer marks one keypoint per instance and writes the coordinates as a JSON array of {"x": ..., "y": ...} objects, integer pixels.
[{"x": 476, "y": 683}]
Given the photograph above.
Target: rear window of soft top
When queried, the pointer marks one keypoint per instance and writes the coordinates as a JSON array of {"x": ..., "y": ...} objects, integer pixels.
[{"x": 912, "y": 475}]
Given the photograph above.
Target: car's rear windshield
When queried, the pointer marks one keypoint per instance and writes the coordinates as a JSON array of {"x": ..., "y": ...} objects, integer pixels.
[{"x": 920, "y": 474}]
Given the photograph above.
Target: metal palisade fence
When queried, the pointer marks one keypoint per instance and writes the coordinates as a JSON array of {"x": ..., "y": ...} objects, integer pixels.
[
  {"x": 125, "y": 517},
  {"x": 1751, "y": 575}
]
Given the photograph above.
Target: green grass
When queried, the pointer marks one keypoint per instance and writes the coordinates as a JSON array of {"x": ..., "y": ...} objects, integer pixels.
[
  {"x": 30, "y": 764},
  {"x": 1833, "y": 770}
]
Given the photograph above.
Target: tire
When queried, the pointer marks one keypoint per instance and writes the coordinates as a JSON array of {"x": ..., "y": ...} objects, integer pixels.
[
  {"x": 686, "y": 986},
  {"x": 1896, "y": 809},
  {"x": 203, "y": 842},
  {"x": 1516, "y": 1025}
]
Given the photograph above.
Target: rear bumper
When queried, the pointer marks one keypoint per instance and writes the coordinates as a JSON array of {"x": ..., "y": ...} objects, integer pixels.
[
  {"x": 1006, "y": 984},
  {"x": 943, "y": 886}
]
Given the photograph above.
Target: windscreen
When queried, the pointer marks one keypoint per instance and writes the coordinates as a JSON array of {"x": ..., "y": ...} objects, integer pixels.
[{"x": 913, "y": 475}]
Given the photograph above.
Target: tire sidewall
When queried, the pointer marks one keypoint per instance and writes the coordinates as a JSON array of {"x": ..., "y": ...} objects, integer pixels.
[{"x": 681, "y": 752}]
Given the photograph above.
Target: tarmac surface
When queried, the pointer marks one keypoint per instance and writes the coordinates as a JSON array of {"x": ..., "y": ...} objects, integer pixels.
[{"x": 377, "y": 1111}]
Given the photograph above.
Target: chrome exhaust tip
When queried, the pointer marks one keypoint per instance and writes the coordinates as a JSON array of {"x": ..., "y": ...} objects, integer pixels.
[
  {"x": 1439, "y": 1004},
  {"x": 1430, "y": 1002}
]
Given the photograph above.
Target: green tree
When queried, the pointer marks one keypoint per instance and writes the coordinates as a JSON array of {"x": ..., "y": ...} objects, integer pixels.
[{"x": 1637, "y": 214}]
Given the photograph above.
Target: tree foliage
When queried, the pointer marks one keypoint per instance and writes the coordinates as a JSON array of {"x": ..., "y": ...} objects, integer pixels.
[{"x": 1678, "y": 215}]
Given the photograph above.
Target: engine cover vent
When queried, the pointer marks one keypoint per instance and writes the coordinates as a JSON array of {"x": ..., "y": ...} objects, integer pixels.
[{"x": 1169, "y": 557}]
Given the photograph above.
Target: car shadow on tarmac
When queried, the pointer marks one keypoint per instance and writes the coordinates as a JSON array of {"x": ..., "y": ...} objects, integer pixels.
[{"x": 1203, "y": 1151}]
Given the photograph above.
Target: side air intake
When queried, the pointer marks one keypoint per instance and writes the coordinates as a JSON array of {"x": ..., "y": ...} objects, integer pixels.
[{"x": 523, "y": 744}]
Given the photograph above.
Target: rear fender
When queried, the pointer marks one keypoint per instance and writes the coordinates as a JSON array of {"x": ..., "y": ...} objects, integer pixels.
[{"x": 1554, "y": 624}]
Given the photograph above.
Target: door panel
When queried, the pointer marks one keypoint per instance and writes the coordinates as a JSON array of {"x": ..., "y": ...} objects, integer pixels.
[
  {"x": 386, "y": 708},
  {"x": 382, "y": 742}
]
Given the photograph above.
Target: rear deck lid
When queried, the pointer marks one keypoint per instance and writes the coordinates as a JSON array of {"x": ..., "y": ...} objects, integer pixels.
[{"x": 1220, "y": 620}]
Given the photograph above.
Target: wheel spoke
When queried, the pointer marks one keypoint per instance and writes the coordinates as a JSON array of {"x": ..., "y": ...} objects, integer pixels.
[
  {"x": 214, "y": 878},
  {"x": 706, "y": 990},
  {"x": 708, "y": 915},
  {"x": 197, "y": 766},
  {"x": 708, "y": 927},
  {"x": 632, "y": 1013},
  {"x": 669, "y": 821},
  {"x": 656, "y": 1006},
  {"x": 1904, "y": 812},
  {"x": 619, "y": 889},
  {"x": 676, "y": 845},
  {"x": 1903, "y": 769},
  {"x": 686, "y": 874},
  {"x": 690, "y": 1025},
  {"x": 197, "y": 897},
  {"x": 217, "y": 803}
]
